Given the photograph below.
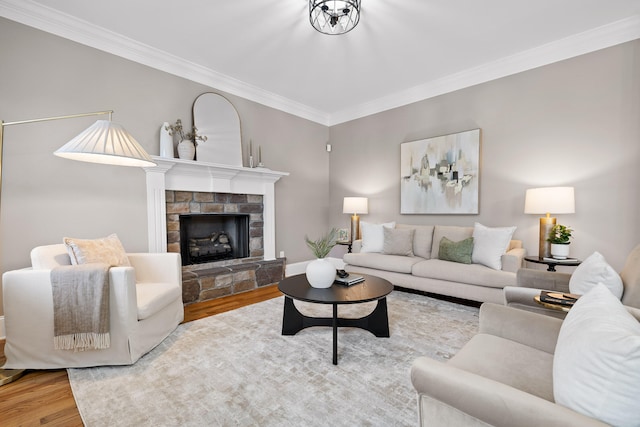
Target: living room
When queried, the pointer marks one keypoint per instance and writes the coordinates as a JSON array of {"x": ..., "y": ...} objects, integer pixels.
[{"x": 571, "y": 121}]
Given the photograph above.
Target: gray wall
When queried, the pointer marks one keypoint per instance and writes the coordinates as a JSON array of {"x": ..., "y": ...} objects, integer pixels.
[
  {"x": 45, "y": 198},
  {"x": 571, "y": 123},
  {"x": 574, "y": 123}
]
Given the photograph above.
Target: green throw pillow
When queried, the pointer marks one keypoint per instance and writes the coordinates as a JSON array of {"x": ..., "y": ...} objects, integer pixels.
[{"x": 456, "y": 251}]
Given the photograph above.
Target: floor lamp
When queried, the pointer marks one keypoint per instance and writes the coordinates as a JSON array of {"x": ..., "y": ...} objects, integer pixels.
[
  {"x": 355, "y": 206},
  {"x": 548, "y": 200},
  {"x": 103, "y": 142}
]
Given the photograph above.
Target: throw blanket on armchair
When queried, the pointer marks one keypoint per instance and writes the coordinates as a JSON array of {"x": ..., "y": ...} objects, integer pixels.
[{"x": 81, "y": 307}]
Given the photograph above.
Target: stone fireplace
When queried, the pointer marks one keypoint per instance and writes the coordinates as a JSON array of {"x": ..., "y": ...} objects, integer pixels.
[{"x": 226, "y": 196}]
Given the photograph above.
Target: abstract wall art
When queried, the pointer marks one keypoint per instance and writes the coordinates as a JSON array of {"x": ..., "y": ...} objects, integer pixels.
[{"x": 440, "y": 175}]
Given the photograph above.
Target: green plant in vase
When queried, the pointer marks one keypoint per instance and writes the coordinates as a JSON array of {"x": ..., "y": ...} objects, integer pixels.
[
  {"x": 321, "y": 272},
  {"x": 559, "y": 237},
  {"x": 322, "y": 246}
]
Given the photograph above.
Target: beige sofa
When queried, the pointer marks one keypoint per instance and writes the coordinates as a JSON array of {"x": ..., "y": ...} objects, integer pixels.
[
  {"x": 502, "y": 377},
  {"x": 425, "y": 272}
]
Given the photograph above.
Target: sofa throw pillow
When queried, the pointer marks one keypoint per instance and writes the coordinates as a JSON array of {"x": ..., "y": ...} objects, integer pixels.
[
  {"x": 373, "y": 236},
  {"x": 456, "y": 251},
  {"x": 489, "y": 244},
  {"x": 596, "y": 365},
  {"x": 398, "y": 241},
  {"x": 592, "y": 271},
  {"x": 106, "y": 250},
  {"x": 451, "y": 232}
]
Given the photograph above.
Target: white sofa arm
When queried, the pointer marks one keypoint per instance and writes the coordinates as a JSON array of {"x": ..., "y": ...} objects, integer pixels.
[
  {"x": 28, "y": 310},
  {"x": 483, "y": 399},
  {"x": 512, "y": 261}
]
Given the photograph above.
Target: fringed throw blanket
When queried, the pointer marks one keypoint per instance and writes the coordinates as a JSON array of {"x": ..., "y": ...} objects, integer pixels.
[{"x": 81, "y": 307}]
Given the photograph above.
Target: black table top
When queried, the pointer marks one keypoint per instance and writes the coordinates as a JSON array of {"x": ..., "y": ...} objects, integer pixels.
[
  {"x": 373, "y": 288},
  {"x": 571, "y": 262}
]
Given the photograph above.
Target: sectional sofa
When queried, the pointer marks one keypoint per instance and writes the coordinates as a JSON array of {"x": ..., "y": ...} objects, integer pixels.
[{"x": 411, "y": 259}]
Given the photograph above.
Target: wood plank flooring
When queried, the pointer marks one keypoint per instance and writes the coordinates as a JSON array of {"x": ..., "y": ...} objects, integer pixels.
[{"x": 45, "y": 398}]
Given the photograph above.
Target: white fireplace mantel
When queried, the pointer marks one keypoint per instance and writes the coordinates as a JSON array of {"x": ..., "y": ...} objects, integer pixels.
[{"x": 188, "y": 175}]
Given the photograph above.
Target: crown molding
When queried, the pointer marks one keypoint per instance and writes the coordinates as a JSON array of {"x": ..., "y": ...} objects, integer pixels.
[
  {"x": 589, "y": 41},
  {"x": 52, "y": 21},
  {"x": 69, "y": 27}
]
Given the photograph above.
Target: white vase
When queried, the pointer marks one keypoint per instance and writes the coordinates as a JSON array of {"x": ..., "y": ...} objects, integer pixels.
[
  {"x": 560, "y": 250},
  {"x": 186, "y": 150},
  {"x": 166, "y": 142},
  {"x": 321, "y": 273}
]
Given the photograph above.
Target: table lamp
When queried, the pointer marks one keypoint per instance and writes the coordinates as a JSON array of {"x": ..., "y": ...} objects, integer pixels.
[
  {"x": 355, "y": 206},
  {"x": 548, "y": 200}
]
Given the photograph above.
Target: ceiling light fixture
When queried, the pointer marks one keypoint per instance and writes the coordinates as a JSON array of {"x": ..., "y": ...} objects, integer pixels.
[{"x": 334, "y": 16}]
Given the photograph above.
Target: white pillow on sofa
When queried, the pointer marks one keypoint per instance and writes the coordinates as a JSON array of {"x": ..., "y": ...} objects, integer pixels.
[
  {"x": 596, "y": 365},
  {"x": 373, "y": 236},
  {"x": 489, "y": 244},
  {"x": 592, "y": 271}
]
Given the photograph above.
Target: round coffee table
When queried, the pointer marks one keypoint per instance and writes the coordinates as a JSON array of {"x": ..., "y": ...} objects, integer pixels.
[{"x": 372, "y": 289}]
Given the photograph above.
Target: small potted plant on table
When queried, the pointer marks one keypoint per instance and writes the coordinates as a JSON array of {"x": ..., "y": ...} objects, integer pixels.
[
  {"x": 320, "y": 272},
  {"x": 559, "y": 237}
]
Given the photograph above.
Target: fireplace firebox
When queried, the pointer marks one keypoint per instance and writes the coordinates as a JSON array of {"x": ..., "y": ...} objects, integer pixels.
[{"x": 213, "y": 237}]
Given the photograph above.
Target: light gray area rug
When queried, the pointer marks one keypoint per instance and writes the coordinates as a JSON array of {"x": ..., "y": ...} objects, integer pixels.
[{"x": 236, "y": 369}]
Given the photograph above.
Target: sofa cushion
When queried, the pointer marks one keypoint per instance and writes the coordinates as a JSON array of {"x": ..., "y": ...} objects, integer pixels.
[
  {"x": 373, "y": 236},
  {"x": 396, "y": 263},
  {"x": 153, "y": 297},
  {"x": 453, "y": 233},
  {"x": 508, "y": 362},
  {"x": 398, "y": 241},
  {"x": 592, "y": 271},
  {"x": 473, "y": 274},
  {"x": 106, "y": 250},
  {"x": 489, "y": 244},
  {"x": 596, "y": 368},
  {"x": 456, "y": 251},
  {"x": 422, "y": 239}
]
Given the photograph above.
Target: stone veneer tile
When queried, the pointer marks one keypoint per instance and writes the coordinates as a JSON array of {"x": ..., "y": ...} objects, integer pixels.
[
  {"x": 202, "y": 197},
  {"x": 183, "y": 196}
]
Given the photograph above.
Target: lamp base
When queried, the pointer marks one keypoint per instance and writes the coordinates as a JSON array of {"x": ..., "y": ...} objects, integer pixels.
[
  {"x": 355, "y": 227},
  {"x": 544, "y": 247}
]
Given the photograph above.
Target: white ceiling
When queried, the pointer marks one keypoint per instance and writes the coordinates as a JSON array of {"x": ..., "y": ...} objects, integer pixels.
[{"x": 400, "y": 52}]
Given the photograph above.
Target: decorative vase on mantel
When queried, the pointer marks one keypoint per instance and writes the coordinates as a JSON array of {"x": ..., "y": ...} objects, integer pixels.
[
  {"x": 187, "y": 150},
  {"x": 321, "y": 273},
  {"x": 560, "y": 250}
]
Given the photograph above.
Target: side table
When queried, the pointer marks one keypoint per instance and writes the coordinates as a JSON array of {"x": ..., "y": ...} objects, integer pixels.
[
  {"x": 347, "y": 244},
  {"x": 551, "y": 264}
]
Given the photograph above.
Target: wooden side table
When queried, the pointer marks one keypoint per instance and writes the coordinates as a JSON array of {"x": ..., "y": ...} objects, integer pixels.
[
  {"x": 551, "y": 264},
  {"x": 552, "y": 306}
]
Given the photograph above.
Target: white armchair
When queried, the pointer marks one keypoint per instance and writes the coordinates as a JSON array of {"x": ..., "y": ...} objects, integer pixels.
[{"x": 145, "y": 307}]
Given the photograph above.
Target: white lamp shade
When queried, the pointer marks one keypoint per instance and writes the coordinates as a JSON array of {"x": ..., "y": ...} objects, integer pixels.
[
  {"x": 553, "y": 200},
  {"x": 355, "y": 205},
  {"x": 106, "y": 142}
]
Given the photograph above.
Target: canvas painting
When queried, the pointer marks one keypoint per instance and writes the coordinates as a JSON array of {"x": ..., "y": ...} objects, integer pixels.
[{"x": 441, "y": 175}]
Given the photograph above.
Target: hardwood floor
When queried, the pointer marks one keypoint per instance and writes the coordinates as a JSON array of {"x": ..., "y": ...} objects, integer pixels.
[{"x": 45, "y": 398}]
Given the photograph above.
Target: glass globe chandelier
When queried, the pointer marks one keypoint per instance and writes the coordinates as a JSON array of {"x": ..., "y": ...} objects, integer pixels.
[{"x": 334, "y": 16}]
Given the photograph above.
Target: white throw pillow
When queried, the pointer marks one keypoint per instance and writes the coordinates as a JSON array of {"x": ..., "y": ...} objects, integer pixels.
[
  {"x": 373, "y": 236},
  {"x": 596, "y": 365},
  {"x": 489, "y": 244},
  {"x": 592, "y": 271}
]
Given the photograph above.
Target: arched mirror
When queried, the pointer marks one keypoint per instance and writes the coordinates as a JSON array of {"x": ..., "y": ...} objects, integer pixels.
[{"x": 217, "y": 119}]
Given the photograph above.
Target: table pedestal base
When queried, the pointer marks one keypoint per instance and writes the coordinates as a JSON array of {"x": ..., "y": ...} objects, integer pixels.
[{"x": 377, "y": 322}]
